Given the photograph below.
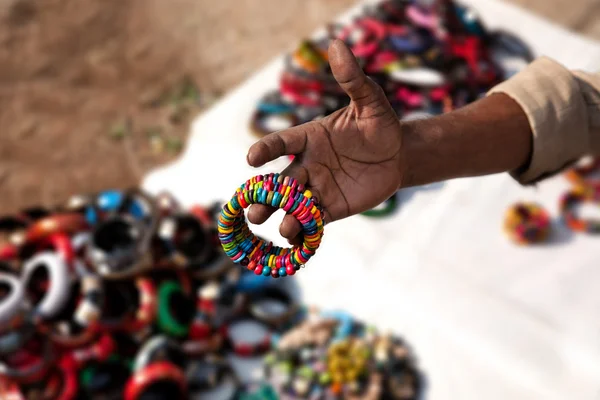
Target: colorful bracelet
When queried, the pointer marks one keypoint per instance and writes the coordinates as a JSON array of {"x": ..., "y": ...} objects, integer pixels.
[
  {"x": 527, "y": 223},
  {"x": 580, "y": 175},
  {"x": 574, "y": 198},
  {"x": 243, "y": 247}
]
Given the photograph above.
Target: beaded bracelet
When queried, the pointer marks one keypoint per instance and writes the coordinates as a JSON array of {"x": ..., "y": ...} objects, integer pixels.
[
  {"x": 574, "y": 198},
  {"x": 527, "y": 223},
  {"x": 243, "y": 247},
  {"x": 580, "y": 175}
]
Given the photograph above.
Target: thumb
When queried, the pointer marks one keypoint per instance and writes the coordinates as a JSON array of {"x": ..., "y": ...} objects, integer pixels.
[{"x": 349, "y": 75}]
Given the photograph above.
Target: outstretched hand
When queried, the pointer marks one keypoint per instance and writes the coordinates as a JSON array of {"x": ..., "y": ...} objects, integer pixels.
[{"x": 351, "y": 159}]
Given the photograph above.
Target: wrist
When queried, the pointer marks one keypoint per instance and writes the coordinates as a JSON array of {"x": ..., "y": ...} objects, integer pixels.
[
  {"x": 417, "y": 159},
  {"x": 489, "y": 136}
]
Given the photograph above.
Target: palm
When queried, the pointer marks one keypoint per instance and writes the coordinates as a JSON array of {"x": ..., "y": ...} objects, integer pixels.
[
  {"x": 352, "y": 158},
  {"x": 349, "y": 159}
]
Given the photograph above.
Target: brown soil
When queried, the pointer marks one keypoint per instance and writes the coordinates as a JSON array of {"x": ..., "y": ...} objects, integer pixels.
[{"x": 93, "y": 94}]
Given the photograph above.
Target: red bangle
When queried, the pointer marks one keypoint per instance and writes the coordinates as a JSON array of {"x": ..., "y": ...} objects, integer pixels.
[
  {"x": 70, "y": 383},
  {"x": 146, "y": 312},
  {"x": 152, "y": 373},
  {"x": 60, "y": 223},
  {"x": 374, "y": 33}
]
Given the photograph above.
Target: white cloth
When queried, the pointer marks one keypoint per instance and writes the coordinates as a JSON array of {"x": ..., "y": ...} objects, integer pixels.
[{"x": 487, "y": 319}]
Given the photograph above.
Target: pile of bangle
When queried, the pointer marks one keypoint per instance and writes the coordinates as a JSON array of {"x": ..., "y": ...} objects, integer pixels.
[
  {"x": 338, "y": 357},
  {"x": 122, "y": 295},
  {"x": 256, "y": 254},
  {"x": 527, "y": 223},
  {"x": 428, "y": 56}
]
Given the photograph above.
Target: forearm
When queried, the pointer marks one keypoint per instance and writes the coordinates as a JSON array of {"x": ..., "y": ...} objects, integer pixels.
[{"x": 489, "y": 136}]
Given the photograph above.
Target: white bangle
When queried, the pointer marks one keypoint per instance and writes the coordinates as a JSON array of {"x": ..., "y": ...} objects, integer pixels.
[{"x": 59, "y": 291}]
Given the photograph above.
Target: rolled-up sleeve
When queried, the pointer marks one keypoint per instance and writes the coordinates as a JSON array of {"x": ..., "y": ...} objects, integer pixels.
[{"x": 563, "y": 109}]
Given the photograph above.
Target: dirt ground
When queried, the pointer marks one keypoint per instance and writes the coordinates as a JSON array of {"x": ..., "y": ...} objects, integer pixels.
[{"x": 93, "y": 94}]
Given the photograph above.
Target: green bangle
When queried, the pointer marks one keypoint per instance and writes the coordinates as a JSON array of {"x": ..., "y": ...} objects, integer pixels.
[
  {"x": 166, "y": 322},
  {"x": 389, "y": 206}
]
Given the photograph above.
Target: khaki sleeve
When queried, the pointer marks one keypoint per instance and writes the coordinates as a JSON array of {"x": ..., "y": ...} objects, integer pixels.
[{"x": 563, "y": 108}]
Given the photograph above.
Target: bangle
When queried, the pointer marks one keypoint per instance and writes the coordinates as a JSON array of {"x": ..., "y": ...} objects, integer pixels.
[
  {"x": 32, "y": 363},
  {"x": 119, "y": 296},
  {"x": 133, "y": 202},
  {"x": 580, "y": 175},
  {"x": 145, "y": 380},
  {"x": 99, "y": 351},
  {"x": 123, "y": 259},
  {"x": 10, "y": 390},
  {"x": 527, "y": 223},
  {"x": 243, "y": 247},
  {"x": 89, "y": 309},
  {"x": 570, "y": 200},
  {"x": 59, "y": 291},
  {"x": 69, "y": 223},
  {"x": 372, "y": 38},
  {"x": 186, "y": 240},
  {"x": 159, "y": 348},
  {"x": 282, "y": 298},
  {"x": 147, "y": 308},
  {"x": 387, "y": 208},
  {"x": 283, "y": 120},
  {"x": 105, "y": 378},
  {"x": 421, "y": 17},
  {"x": 82, "y": 328},
  {"x": 12, "y": 302},
  {"x": 409, "y": 42},
  {"x": 208, "y": 373},
  {"x": 168, "y": 322},
  {"x": 246, "y": 348},
  {"x": 12, "y": 340}
]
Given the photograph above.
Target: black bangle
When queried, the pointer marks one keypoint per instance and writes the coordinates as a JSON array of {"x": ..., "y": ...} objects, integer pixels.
[
  {"x": 185, "y": 240},
  {"x": 277, "y": 294}
]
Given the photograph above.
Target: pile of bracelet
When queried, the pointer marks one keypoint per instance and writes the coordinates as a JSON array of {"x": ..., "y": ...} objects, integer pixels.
[
  {"x": 256, "y": 254},
  {"x": 334, "y": 356},
  {"x": 122, "y": 295},
  {"x": 429, "y": 57},
  {"x": 528, "y": 223}
]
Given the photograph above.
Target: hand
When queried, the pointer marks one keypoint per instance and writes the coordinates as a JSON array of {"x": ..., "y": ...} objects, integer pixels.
[{"x": 351, "y": 160}]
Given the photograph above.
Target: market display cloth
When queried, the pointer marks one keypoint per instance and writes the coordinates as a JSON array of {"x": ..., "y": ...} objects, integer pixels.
[{"x": 487, "y": 319}]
